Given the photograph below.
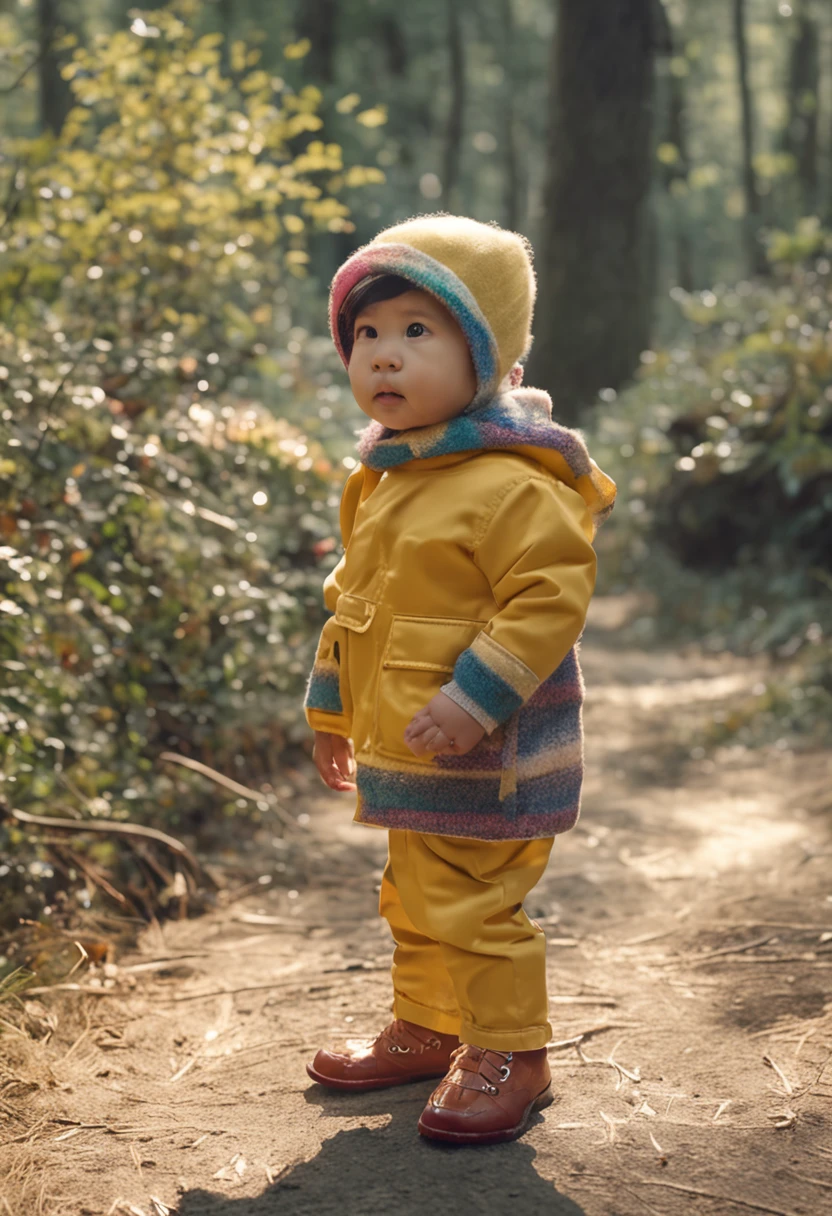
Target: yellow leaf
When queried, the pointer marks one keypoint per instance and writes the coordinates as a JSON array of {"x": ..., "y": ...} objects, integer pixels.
[
  {"x": 255, "y": 81},
  {"x": 347, "y": 104},
  {"x": 376, "y": 117},
  {"x": 297, "y": 50},
  {"x": 238, "y": 56},
  {"x": 363, "y": 175},
  {"x": 293, "y": 223}
]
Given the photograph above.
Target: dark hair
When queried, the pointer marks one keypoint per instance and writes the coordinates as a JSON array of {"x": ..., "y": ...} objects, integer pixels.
[{"x": 372, "y": 290}]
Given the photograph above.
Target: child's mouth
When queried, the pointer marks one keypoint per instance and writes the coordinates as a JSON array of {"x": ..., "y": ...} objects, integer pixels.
[{"x": 388, "y": 398}]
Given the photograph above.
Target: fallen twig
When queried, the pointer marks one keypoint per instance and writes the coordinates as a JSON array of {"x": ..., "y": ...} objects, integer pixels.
[
  {"x": 607, "y": 1001},
  {"x": 159, "y": 964},
  {"x": 692, "y": 1190},
  {"x": 108, "y": 828},
  {"x": 242, "y": 790},
  {"x": 71, "y": 988},
  {"x": 650, "y": 937},
  {"x": 784, "y": 958},
  {"x": 280, "y": 981},
  {"x": 814, "y": 1181},
  {"x": 786, "y": 1083},
  {"x": 592, "y": 1030},
  {"x": 692, "y": 959}
]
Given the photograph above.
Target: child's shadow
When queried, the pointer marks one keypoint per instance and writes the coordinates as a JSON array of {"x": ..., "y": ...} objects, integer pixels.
[{"x": 392, "y": 1169}]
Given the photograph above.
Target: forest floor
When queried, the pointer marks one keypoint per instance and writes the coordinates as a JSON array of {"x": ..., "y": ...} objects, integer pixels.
[{"x": 689, "y": 917}]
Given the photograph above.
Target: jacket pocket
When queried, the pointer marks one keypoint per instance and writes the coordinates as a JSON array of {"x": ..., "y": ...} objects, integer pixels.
[{"x": 418, "y": 659}]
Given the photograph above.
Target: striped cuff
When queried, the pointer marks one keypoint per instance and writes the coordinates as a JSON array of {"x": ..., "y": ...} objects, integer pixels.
[
  {"x": 323, "y": 689},
  {"x": 490, "y": 683}
]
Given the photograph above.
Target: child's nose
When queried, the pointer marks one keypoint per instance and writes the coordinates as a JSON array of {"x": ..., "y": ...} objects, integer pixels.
[{"x": 386, "y": 359}]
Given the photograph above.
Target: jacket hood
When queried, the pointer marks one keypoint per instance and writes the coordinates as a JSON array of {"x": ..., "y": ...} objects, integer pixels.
[{"x": 519, "y": 420}]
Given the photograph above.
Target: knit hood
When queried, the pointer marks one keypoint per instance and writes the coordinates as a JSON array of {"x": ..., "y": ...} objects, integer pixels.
[{"x": 483, "y": 275}]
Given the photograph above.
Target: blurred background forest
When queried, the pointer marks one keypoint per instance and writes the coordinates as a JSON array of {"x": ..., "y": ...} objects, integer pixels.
[{"x": 177, "y": 187}]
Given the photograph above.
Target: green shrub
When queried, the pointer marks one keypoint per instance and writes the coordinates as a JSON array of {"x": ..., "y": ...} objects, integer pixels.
[
  {"x": 163, "y": 534},
  {"x": 723, "y": 454}
]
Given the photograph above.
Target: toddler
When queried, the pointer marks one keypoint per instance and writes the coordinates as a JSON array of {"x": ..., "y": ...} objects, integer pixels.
[{"x": 446, "y": 681}]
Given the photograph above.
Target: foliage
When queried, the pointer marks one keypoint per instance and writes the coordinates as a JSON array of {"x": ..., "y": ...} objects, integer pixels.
[
  {"x": 723, "y": 453},
  {"x": 163, "y": 533}
]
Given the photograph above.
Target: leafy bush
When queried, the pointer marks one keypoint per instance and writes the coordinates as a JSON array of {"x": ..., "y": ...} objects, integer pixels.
[
  {"x": 164, "y": 534},
  {"x": 723, "y": 452}
]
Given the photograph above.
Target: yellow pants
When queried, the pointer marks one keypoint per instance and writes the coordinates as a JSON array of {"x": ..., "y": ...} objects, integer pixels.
[{"x": 468, "y": 960}]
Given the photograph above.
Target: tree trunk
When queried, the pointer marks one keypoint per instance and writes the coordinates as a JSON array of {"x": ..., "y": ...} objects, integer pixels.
[
  {"x": 452, "y": 156},
  {"x": 225, "y": 21},
  {"x": 55, "y": 93},
  {"x": 754, "y": 252},
  {"x": 801, "y": 133},
  {"x": 395, "y": 47},
  {"x": 675, "y": 173},
  {"x": 595, "y": 289},
  {"x": 513, "y": 187},
  {"x": 316, "y": 21}
]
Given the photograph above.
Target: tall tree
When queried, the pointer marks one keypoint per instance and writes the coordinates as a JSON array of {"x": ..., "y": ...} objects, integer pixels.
[
  {"x": 512, "y": 184},
  {"x": 55, "y": 93},
  {"x": 594, "y": 307},
  {"x": 316, "y": 20},
  {"x": 754, "y": 252},
  {"x": 801, "y": 133},
  {"x": 676, "y": 165},
  {"x": 452, "y": 153}
]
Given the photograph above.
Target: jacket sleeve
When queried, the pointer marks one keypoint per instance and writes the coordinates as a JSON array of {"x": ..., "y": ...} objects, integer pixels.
[
  {"x": 536, "y": 552},
  {"x": 323, "y": 703}
]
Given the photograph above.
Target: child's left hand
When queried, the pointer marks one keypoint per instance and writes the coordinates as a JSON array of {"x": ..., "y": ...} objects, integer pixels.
[{"x": 442, "y": 720}]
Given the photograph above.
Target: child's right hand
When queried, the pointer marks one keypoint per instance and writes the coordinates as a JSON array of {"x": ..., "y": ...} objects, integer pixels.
[{"x": 334, "y": 759}]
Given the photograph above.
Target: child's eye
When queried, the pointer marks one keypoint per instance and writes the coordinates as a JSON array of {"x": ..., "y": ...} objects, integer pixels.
[
  {"x": 366, "y": 331},
  {"x": 418, "y": 326}
]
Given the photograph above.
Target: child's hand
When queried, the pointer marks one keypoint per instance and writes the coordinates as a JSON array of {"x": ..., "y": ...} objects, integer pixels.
[
  {"x": 334, "y": 759},
  {"x": 433, "y": 728}
]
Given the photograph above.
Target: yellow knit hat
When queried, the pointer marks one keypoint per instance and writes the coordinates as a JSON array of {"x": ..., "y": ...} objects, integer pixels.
[{"x": 481, "y": 272}]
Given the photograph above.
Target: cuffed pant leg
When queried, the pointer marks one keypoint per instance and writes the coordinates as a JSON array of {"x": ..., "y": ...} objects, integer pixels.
[
  {"x": 467, "y": 895},
  {"x": 422, "y": 988}
]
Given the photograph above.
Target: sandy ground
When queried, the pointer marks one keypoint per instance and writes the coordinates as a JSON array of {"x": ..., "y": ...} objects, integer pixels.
[{"x": 689, "y": 917}]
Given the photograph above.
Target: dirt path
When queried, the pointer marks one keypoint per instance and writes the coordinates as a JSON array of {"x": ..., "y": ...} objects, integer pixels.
[{"x": 690, "y": 923}]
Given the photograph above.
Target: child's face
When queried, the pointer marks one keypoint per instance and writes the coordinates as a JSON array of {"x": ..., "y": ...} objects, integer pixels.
[{"x": 410, "y": 364}]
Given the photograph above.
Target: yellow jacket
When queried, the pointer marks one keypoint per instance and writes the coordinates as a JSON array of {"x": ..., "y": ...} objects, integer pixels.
[{"x": 468, "y": 566}]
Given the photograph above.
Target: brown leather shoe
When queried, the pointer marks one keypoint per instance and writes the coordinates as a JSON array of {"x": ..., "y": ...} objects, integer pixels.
[
  {"x": 487, "y": 1096},
  {"x": 403, "y": 1052}
]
